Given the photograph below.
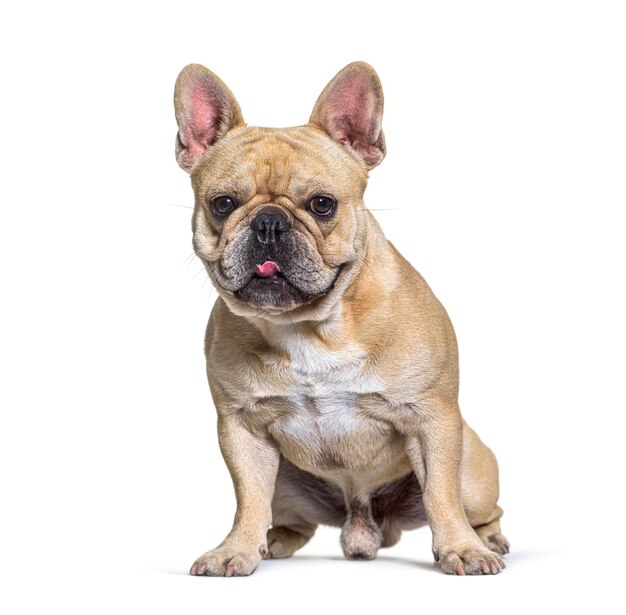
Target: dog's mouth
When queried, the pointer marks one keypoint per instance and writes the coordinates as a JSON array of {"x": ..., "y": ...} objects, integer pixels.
[
  {"x": 275, "y": 282},
  {"x": 269, "y": 275},
  {"x": 268, "y": 287},
  {"x": 269, "y": 269}
]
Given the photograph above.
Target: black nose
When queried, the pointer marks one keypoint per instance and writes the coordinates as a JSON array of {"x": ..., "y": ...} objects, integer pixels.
[{"x": 270, "y": 223}]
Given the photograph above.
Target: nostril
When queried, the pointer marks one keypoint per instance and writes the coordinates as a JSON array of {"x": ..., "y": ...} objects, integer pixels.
[
  {"x": 269, "y": 222},
  {"x": 258, "y": 224},
  {"x": 266, "y": 235}
]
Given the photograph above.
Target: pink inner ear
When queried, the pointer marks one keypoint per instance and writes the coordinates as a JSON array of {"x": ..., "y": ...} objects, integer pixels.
[
  {"x": 351, "y": 113},
  {"x": 351, "y": 110},
  {"x": 205, "y": 107},
  {"x": 201, "y": 126},
  {"x": 203, "y": 115}
]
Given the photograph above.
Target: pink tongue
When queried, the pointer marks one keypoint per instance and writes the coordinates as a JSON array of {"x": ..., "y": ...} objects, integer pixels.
[{"x": 267, "y": 269}]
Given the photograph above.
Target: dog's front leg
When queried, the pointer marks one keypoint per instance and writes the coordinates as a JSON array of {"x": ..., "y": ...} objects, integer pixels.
[
  {"x": 253, "y": 464},
  {"x": 435, "y": 448}
]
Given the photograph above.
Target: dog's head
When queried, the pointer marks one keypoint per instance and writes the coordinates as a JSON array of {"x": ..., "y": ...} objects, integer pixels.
[{"x": 279, "y": 219}]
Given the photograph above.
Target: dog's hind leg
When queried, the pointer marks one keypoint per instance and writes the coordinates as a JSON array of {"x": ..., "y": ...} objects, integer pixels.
[
  {"x": 479, "y": 487},
  {"x": 285, "y": 540},
  {"x": 301, "y": 502},
  {"x": 491, "y": 535}
]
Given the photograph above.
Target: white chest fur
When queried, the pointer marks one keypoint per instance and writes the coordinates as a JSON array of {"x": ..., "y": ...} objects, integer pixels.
[
  {"x": 321, "y": 372},
  {"x": 323, "y": 397},
  {"x": 316, "y": 421}
]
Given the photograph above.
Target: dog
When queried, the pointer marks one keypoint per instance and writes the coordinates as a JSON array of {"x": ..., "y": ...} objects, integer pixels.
[{"x": 332, "y": 365}]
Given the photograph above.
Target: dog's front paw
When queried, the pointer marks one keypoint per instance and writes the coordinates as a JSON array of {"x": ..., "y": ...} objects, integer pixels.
[
  {"x": 227, "y": 561},
  {"x": 471, "y": 560}
]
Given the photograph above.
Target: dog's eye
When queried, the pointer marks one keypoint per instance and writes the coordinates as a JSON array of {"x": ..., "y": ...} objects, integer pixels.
[
  {"x": 322, "y": 205},
  {"x": 222, "y": 205}
]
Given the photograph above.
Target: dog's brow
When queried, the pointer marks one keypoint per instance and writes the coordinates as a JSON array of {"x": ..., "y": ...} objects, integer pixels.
[{"x": 303, "y": 188}]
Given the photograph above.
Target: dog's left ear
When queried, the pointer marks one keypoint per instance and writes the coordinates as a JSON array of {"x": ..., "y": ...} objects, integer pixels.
[{"x": 350, "y": 110}]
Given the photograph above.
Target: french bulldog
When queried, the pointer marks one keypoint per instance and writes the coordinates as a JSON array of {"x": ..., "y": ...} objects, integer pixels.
[{"x": 332, "y": 365}]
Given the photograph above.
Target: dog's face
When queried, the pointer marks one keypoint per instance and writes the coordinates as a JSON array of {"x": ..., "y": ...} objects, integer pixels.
[{"x": 279, "y": 219}]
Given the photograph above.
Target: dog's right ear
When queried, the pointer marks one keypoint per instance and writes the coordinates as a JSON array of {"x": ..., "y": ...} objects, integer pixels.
[{"x": 205, "y": 111}]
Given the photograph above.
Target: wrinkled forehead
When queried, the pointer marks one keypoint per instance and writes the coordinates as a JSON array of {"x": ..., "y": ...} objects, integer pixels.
[{"x": 293, "y": 162}]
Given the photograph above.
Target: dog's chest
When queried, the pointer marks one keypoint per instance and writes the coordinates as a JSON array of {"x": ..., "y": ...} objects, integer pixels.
[
  {"x": 327, "y": 416},
  {"x": 335, "y": 431},
  {"x": 320, "y": 421}
]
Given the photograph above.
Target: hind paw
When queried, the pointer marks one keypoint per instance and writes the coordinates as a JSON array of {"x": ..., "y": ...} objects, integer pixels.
[
  {"x": 497, "y": 543},
  {"x": 283, "y": 542}
]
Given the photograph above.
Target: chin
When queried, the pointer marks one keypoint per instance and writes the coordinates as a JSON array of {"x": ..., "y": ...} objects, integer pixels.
[{"x": 273, "y": 293}]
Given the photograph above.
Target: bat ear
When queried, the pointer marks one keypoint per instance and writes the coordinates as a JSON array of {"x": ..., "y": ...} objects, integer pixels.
[
  {"x": 350, "y": 110},
  {"x": 205, "y": 111}
]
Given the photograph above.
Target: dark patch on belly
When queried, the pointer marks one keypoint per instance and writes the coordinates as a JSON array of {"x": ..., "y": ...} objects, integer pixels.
[
  {"x": 400, "y": 502},
  {"x": 318, "y": 501},
  {"x": 312, "y": 498}
]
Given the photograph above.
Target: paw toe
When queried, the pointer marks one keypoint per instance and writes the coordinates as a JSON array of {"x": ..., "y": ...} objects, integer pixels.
[
  {"x": 224, "y": 563},
  {"x": 472, "y": 562},
  {"x": 497, "y": 543}
]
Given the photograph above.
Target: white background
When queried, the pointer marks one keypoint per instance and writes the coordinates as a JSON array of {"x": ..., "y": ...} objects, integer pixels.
[{"x": 504, "y": 185}]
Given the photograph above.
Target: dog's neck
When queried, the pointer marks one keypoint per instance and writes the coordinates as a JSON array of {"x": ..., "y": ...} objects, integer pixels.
[{"x": 329, "y": 332}]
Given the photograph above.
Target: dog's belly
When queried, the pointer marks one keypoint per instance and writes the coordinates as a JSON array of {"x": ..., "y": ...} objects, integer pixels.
[{"x": 337, "y": 436}]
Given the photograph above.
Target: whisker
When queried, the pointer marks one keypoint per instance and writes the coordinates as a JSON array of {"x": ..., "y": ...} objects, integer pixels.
[
  {"x": 217, "y": 279},
  {"x": 204, "y": 285},
  {"x": 293, "y": 324},
  {"x": 189, "y": 259},
  {"x": 259, "y": 314},
  {"x": 212, "y": 254},
  {"x": 177, "y": 205},
  {"x": 195, "y": 275},
  {"x": 214, "y": 271}
]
